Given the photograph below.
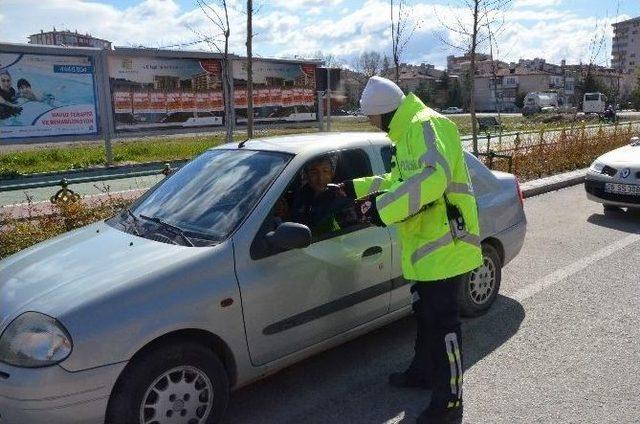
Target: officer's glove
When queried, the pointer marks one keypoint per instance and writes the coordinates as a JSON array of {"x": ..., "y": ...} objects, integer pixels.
[{"x": 367, "y": 209}]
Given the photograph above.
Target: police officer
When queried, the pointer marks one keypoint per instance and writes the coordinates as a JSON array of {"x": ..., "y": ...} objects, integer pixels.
[{"x": 429, "y": 198}]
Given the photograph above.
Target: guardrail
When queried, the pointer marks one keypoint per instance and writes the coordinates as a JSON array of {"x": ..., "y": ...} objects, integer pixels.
[{"x": 52, "y": 179}]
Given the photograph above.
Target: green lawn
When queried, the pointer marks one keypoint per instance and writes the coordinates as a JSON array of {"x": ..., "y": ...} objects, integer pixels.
[{"x": 185, "y": 147}]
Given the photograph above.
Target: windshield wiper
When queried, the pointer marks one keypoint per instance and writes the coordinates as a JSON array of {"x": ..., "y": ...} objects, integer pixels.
[
  {"x": 173, "y": 229},
  {"x": 135, "y": 221}
]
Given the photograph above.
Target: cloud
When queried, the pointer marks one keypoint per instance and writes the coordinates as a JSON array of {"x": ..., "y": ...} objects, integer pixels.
[
  {"x": 299, "y": 27},
  {"x": 304, "y": 4},
  {"x": 536, "y": 3}
]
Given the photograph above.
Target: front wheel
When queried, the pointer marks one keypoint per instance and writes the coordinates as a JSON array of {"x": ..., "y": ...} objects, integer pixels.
[
  {"x": 480, "y": 287},
  {"x": 184, "y": 383}
]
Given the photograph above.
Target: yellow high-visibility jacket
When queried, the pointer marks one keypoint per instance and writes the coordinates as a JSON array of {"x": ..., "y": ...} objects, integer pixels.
[{"x": 428, "y": 170}]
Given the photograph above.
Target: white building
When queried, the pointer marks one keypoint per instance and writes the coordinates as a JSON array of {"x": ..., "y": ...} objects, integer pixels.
[{"x": 625, "y": 49}]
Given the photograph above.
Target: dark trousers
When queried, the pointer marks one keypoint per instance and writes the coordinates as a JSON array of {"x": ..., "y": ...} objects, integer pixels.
[{"x": 438, "y": 348}]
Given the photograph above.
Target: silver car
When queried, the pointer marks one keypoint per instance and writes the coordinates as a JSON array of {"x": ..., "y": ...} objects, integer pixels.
[{"x": 203, "y": 286}]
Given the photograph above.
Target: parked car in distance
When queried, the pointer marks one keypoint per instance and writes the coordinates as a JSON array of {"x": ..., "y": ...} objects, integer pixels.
[
  {"x": 204, "y": 285},
  {"x": 452, "y": 109},
  {"x": 614, "y": 178}
]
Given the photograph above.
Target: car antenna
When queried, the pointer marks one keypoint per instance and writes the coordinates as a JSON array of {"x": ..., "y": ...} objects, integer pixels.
[{"x": 241, "y": 144}]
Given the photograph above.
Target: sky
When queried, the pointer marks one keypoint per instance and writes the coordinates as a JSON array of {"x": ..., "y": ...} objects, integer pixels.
[{"x": 551, "y": 29}]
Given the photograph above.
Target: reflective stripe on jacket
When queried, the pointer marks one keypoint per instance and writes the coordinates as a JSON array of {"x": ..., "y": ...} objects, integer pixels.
[{"x": 428, "y": 165}]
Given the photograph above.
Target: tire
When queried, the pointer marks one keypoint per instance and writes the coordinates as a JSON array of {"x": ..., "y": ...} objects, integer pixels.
[
  {"x": 480, "y": 287},
  {"x": 154, "y": 378}
]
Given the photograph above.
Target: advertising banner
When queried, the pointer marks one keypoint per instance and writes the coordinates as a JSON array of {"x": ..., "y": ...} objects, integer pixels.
[
  {"x": 46, "y": 95},
  {"x": 282, "y": 91},
  {"x": 165, "y": 92}
]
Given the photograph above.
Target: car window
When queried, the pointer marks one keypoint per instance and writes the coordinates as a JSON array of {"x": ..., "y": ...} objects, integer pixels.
[
  {"x": 315, "y": 203},
  {"x": 310, "y": 199},
  {"x": 212, "y": 194},
  {"x": 387, "y": 154}
]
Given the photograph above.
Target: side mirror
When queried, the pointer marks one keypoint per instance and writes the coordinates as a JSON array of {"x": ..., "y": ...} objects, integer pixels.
[{"x": 290, "y": 235}]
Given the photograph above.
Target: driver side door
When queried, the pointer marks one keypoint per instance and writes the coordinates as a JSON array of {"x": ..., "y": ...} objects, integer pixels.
[{"x": 294, "y": 299}]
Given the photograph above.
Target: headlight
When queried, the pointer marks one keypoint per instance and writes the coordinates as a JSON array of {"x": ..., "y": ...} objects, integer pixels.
[
  {"x": 34, "y": 340},
  {"x": 597, "y": 167}
]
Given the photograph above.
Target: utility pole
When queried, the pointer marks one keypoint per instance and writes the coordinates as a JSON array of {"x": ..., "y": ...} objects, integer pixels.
[{"x": 249, "y": 70}]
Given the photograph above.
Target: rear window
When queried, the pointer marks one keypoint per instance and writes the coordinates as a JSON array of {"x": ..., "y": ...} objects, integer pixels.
[{"x": 592, "y": 97}]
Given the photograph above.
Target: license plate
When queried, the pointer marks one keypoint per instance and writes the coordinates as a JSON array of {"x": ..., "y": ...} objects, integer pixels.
[{"x": 630, "y": 190}]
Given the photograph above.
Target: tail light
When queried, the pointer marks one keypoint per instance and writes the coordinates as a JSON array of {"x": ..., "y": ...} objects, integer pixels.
[{"x": 520, "y": 194}]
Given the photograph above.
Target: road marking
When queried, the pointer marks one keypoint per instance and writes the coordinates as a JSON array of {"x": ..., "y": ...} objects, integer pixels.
[{"x": 562, "y": 273}]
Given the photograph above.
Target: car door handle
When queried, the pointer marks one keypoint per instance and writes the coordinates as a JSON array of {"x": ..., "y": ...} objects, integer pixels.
[{"x": 372, "y": 251}]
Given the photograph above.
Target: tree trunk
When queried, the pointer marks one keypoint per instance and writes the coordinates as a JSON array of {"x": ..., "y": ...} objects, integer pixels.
[
  {"x": 226, "y": 92},
  {"x": 472, "y": 70},
  {"x": 249, "y": 70}
]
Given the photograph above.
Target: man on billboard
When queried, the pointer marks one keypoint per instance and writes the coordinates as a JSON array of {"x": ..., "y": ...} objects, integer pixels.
[{"x": 8, "y": 97}]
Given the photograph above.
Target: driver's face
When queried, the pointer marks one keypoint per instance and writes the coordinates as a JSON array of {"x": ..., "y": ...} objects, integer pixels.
[
  {"x": 319, "y": 174},
  {"x": 376, "y": 121},
  {"x": 5, "y": 82}
]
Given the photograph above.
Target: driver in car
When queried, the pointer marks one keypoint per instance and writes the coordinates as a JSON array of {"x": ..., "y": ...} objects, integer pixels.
[{"x": 319, "y": 202}]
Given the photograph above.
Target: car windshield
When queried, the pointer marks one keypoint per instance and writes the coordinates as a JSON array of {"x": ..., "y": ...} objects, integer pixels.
[{"x": 213, "y": 193}]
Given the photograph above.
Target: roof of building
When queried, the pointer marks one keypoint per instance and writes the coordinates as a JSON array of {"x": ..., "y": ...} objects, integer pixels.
[{"x": 628, "y": 21}]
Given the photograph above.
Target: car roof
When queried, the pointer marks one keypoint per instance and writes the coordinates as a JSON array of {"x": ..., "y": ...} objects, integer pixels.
[{"x": 312, "y": 142}]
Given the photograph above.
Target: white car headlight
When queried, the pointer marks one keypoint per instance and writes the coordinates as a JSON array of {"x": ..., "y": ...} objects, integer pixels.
[
  {"x": 597, "y": 167},
  {"x": 34, "y": 340}
]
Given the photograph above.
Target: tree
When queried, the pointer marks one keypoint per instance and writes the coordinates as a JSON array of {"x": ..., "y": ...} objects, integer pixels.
[
  {"x": 401, "y": 32},
  {"x": 424, "y": 93},
  {"x": 474, "y": 32},
  {"x": 329, "y": 60},
  {"x": 249, "y": 69},
  {"x": 217, "y": 13},
  {"x": 520, "y": 95},
  {"x": 455, "y": 94},
  {"x": 385, "y": 66},
  {"x": 368, "y": 64}
]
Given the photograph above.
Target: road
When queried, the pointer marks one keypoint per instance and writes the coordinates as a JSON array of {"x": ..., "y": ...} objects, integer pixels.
[{"x": 561, "y": 345}]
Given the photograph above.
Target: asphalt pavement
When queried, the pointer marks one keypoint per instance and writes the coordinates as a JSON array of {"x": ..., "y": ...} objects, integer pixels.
[{"x": 561, "y": 344}]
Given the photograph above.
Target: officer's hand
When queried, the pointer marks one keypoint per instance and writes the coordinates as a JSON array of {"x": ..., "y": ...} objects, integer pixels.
[
  {"x": 347, "y": 188},
  {"x": 369, "y": 212}
]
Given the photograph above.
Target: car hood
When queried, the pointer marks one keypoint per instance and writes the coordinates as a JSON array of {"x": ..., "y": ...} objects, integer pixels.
[
  {"x": 59, "y": 274},
  {"x": 627, "y": 155}
]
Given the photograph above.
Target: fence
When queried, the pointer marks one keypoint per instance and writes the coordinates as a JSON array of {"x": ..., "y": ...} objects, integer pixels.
[{"x": 542, "y": 153}]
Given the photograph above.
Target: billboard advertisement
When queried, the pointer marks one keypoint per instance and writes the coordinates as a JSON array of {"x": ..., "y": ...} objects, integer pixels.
[
  {"x": 154, "y": 92},
  {"x": 46, "y": 95},
  {"x": 282, "y": 91}
]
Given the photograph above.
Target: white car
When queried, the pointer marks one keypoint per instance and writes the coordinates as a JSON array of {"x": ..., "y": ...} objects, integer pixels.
[
  {"x": 452, "y": 109},
  {"x": 614, "y": 178}
]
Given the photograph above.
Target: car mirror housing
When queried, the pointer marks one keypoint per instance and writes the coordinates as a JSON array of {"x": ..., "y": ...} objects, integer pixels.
[{"x": 290, "y": 235}]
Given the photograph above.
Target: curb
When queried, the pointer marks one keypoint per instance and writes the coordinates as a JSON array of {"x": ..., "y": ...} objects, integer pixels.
[{"x": 555, "y": 182}]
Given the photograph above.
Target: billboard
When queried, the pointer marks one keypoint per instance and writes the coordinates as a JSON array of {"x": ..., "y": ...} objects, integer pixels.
[
  {"x": 155, "y": 92},
  {"x": 46, "y": 95},
  {"x": 282, "y": 91}
]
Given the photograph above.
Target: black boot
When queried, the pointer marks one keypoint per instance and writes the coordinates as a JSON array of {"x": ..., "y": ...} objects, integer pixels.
[
  {"x": 441, "y": 416},
  {"x": 408, "y": 379}
]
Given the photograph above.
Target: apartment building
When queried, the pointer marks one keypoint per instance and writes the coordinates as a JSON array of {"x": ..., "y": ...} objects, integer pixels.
[
  {"x": 69, "y": 39},
  {"x": 500, "y": 92},
  {"x": 625, "y": 48}
]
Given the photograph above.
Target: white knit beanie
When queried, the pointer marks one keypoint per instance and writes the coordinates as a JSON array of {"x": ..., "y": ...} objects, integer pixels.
[{"x": 380, "y": 96}]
